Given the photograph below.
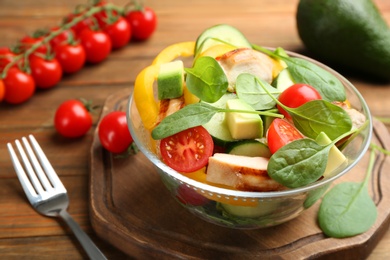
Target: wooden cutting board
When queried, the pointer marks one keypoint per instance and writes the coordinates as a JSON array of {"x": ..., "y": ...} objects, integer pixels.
[{"x": 131, "y": 209}]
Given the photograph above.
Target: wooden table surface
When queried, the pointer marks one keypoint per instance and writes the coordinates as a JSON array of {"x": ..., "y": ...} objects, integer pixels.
[{"x": 26, "y": 234}]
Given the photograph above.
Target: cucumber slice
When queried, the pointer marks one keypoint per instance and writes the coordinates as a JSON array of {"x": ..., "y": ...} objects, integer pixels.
[
  {"x": 223, "y": 32},
  {"x": 217, "y": 126},
  {"x": 267, "y": 120},
  {"x": 250, "y": 148},
  {"x": 263, "y": 209}
]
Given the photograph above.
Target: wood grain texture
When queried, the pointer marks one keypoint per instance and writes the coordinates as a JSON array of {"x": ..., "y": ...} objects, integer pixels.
[
  {"x": 24, "y": 234},
  {"x": 131, "y": 208}
]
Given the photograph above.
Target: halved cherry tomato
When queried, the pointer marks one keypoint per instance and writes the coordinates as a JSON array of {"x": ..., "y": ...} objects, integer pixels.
[
  {"x": 46, "y": 73},
  {"x": 19, "y": 86},
  {"x": 97, "y": 45},
  {"x": 297, "y": 95},
  {"x": 281, "y": 133},
  {"x": 71, "y": 57},
  {"x": 187, "y": 151},
  {"x": 143, "y": 23},
  {"x": 114, "y": 135}
]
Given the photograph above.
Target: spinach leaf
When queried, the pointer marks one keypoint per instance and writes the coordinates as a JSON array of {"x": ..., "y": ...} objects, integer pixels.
[
  {"x": 187, "y": 117},
  {"x": 249, "y": 90},
  {"x": 318, "y": 116},
  {"x": 206, "y": 79},
  {"x": 304, "y": 71},
  {"x": 299, "y": 163},
  {"x": 347, "y": 209}
]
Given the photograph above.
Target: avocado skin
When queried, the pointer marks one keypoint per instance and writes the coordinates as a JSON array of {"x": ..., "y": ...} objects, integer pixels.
[{"x": 350, "y": 33}]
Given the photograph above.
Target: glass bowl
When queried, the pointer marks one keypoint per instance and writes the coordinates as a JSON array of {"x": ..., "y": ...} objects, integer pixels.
[{"x": 244, "y": 209}]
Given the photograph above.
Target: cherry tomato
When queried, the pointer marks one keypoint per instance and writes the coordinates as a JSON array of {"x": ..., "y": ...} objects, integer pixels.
[
  {"x": 19, "y": 86},
  {"x": 297, "y": 95},
  {"x": 6, "y": 56},
  {"x": 189, "y": 196},
  {"x": 62, "y": 38},
  {"x": 46, "y": 73},
  {"x": 114, "y": 134},
  {"x": 187, "y": 151},
  {"x": 2, "y": 90},
  {"x": 142, "y": 22},
  {"x": 27, "y": 41},
  {"x": 280, "y": 133},
  {"x": 80, "y": 26},
  {"x": 119, "y": 32},
  {"x": 97, "y": 45},
  {"x": 71, "y": 57},
  {"x": 72, "y": 119}
]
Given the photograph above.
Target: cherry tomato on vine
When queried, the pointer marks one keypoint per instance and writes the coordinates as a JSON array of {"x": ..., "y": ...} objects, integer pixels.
[
  {"x": 62, "y": 38},
  {"x": 143, "y": 23},
  {"x": 119, "y": 32},
  {"x": 6, "y": 56},
  {"x": 2, "y": 90},
  {"x": 46, "y": 73},
  {"x": 280, "y": 133},
  {"x": 80, "y": 26},
  {"x": 113, "y": 131},
  {"x": 97, "y": 45},
  {"x": 71, "y": 57},
  {"x": 72, "y": 119},
  {"x": 187, "y": 151},
  {"x": 297, "y": 95},
  {"x": 19, "y": 86},
  {"x": 27, "y": 41}
]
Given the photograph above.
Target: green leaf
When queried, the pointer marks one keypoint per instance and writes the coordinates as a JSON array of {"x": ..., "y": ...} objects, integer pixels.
[
  {"x": 298, "y": 163},
  {"x": 347, "y": 209},
  {"x": 249, "y": 90},
  {"x": 187, "y": 117},
  {"x": 318, "y": 116},
  {"x": 327, "y": 84},
  {"x": 206, "y": 79}
]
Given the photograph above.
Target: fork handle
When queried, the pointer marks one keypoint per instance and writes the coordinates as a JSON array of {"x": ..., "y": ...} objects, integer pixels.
[{"x": 91, "y": 249}]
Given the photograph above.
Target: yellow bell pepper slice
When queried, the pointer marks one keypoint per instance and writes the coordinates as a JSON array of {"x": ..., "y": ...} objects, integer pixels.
[{"x": 181, "y": 49}]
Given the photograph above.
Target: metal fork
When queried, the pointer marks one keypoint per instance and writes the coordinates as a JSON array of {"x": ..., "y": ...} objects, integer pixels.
[{"x": 45, "y": 190}]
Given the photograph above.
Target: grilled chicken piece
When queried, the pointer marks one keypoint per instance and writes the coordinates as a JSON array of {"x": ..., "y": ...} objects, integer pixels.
[
  {"x": 241, "y": 172},
  {"x": 245, "y": 60},
  {"x": 357, "y": 118},
  {"x": 169, "y": 106}
]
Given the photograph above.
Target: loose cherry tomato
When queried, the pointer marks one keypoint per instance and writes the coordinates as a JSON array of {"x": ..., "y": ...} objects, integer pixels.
[
  {"x": 19, "y": 86},
  {"x": 6, "y": 56},
  {"x": 142, "y": 22},
  {"x": 2, "y": 90},
  {"x": 71, "y": 57},
  {"x": 97, "y": 45},
  {"x": 46, "y": 73},
  {"x": 189, "y": 196},
  {"x": 114, "y": 134},
  {"x": 28, "y": 41},
  {"x": 187, "y": 151},
  {"x": 72, "y": 119},
  {"x": 281, "y": 133},
  {"x": 119, "y": 32},
  {"x": 297, "y": 95}
]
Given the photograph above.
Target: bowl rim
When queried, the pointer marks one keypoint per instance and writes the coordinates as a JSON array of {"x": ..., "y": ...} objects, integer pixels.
[{"x": 237, "y": 194}]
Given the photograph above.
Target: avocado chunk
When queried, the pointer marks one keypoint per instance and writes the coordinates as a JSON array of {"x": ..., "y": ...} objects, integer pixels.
[
  {"x": 335, "y": 158},
  {"x": 349, "y": 33},
  {"x": 283, "y": 80},
  {"x": 170, "y": 80},
  {"x": 243, "y": 125}
]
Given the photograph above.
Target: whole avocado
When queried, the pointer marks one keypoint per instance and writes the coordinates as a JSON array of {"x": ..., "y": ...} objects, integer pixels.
[{"x": 351, "y": 33}]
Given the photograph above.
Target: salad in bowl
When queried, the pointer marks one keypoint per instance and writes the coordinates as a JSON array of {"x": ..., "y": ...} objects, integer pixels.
[{"x": 242, "y": 135}]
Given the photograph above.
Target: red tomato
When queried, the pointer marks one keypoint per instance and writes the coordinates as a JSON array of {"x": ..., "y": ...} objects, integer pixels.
[
  {"x": 6, "y": 56},
  {"x": 281, "y": 133},
  {"x": 143, "y": 23},
  {"x": 46, "y": 73},
  {"x": 71, "y": 57},
  {"x": 114, "y": 134},
  {"x": 188, "y": 150},
  {"x": 297, "y": 95},
  {"x": 27, "y": 41},
  {"x": 97, "y": 45},
  {"x": 119, "y": 32},
  {"x": 62, "y": 38},
  {"x": 72, "y": 119},
  {"x": 80, "y": 26},
  {"x": 2, "y": 90},
  {"x": 19, "y": 86},
  {"x": 189, "y": 196}
]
